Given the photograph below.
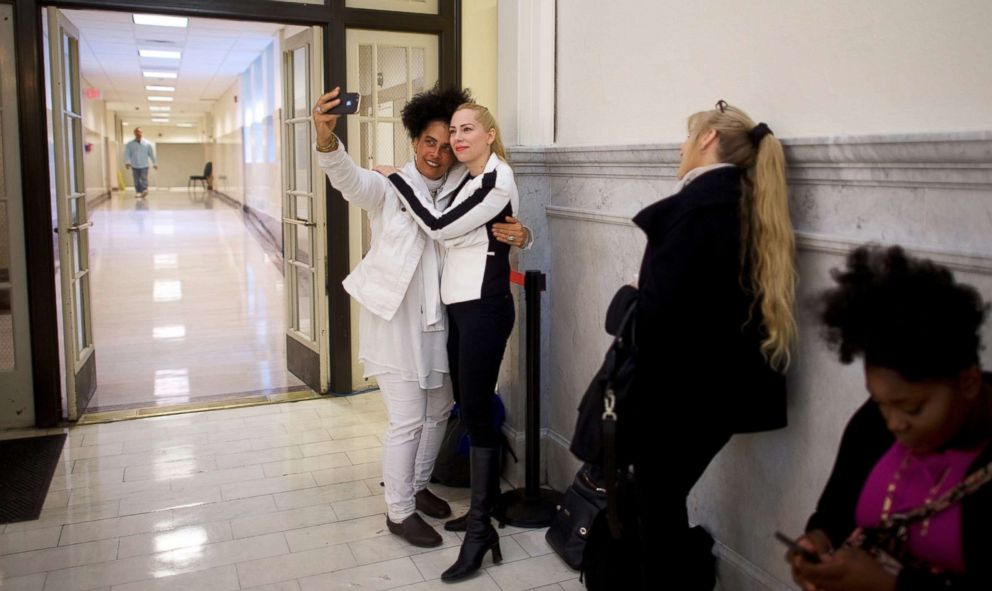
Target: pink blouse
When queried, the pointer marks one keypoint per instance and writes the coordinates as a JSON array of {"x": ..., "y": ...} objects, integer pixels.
[{"x": 916, "y": 479}]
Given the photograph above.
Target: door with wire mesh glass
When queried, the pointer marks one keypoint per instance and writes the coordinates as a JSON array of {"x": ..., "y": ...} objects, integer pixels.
[
  {"x": 15, "y": 360},
  {"x": 73, "y": 219},
  {"x": 304, "y": 219},
  {"x": 387, "y": 68}
]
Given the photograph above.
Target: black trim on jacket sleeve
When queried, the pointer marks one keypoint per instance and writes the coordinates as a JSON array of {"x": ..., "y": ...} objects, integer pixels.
[{"x": 452, "y": 214}]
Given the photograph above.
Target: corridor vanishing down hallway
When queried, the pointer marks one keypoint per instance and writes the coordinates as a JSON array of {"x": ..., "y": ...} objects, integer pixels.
[{"x": 187, "y": 304}]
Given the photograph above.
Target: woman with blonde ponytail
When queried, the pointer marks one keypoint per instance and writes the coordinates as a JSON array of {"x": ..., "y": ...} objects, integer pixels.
[{"x": 714, "y": 328}]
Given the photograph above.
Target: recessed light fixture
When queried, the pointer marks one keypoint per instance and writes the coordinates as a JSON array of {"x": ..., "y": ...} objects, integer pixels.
[
  {"x": 159, "y": 120},
  {"x": 155, "y": 88},
  {"x": 125, "y": 123},
  {"x": 161, "y": 99},
  {"x": 184, "y": 125},
  {"x": 162, "y": 53},
  {"x": 158, "y": 20},
  {"x": 154, "y": 108},
  {"x": 160, "y": 74}
]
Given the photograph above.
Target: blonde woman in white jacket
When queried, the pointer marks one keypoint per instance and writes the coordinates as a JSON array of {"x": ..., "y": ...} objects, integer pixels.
[{"x": 402, "y": 323}]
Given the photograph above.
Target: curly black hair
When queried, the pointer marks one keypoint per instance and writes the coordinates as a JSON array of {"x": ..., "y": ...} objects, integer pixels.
[
  {"x": 436, "y": 104},
  {"x": 903, "y": 313}
]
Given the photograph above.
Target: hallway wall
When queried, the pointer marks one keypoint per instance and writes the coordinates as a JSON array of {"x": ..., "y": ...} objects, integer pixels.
[
  {"x": 228, "y": 149},
  {"x": 97, "y": 128},
  {"x": 908, "y": 165},
  {"x": 177, "y": 161},
  {"x": 261, "y": 104}
]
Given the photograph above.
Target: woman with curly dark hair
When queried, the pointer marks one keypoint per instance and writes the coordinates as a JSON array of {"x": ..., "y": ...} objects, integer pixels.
[
  {"x": 403, "y": 328},
  {"x": 907, "y": 506}
]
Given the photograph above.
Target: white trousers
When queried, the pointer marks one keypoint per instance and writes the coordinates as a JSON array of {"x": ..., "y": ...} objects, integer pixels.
[{"x": 417, "y": 419}]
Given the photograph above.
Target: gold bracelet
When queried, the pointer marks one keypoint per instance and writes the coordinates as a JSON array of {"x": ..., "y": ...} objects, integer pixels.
[{"x": 331, "y": 146}]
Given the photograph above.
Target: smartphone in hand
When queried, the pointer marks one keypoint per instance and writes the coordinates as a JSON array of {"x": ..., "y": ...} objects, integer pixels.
[
  {"x": 811, "y": 557},
  {"x": 348, "y": 105}
]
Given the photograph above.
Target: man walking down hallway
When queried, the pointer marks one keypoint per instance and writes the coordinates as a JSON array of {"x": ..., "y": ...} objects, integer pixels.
[{"x": 138, "y": 154}]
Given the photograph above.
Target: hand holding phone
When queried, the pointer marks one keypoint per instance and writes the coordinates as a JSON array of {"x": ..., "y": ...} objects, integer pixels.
[
  {"x": 348, "y": 105},
  {"x": 808, "y": 556}
]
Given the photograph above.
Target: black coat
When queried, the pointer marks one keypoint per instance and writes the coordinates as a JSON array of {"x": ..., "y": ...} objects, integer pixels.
[{"x": 698, "y": 335}]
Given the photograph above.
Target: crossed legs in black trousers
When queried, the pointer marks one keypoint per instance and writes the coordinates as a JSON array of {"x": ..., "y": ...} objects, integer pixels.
[{"x": 478, "y": 331}]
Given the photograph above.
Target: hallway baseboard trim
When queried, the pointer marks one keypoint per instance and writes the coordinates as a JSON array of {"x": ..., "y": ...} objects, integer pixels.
[
  {"x": 745, "y": 567},
  {"x": 227, "y": 199},
  {"x": 261, "y": 224}
]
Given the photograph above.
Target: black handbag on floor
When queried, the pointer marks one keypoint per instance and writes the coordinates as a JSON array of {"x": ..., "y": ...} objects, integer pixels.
[
  {"x": 591, "y": 500},
  {"x": 583, "y": 503},
  {"x": 597, "y": 439}
]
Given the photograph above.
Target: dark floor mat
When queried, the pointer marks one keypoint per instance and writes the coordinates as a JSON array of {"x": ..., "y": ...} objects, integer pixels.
[{"x": 26, "y": 469}]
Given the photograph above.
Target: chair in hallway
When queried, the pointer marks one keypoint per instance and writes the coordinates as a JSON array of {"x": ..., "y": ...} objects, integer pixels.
[{"x": 208, "y": 170}]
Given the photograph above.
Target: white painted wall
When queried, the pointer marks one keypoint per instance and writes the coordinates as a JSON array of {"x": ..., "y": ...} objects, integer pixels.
[
  {"x": 631, "y": 71},
  {"x": 228, "y": 151},
  {"x": 261, "y": 104},
  {"x": 479, "y": 51},
  {"x": 95, "y": 131},
  {"x": 169, "y": 134}
]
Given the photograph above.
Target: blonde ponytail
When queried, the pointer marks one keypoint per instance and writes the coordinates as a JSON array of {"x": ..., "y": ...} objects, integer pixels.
[{"x": 768, "y": 241}]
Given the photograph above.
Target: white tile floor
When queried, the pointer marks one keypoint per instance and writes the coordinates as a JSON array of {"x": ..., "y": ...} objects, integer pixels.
[
  {"x": 186, "y": 303},
  {"x": 281, "y": 497}
]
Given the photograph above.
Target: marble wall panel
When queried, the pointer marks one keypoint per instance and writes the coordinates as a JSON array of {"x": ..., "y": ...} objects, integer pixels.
[{"x": 932, "y": 193}]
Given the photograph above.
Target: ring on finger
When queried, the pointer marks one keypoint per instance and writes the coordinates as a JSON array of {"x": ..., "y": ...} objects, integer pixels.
[{"x": 318, "y": 110}]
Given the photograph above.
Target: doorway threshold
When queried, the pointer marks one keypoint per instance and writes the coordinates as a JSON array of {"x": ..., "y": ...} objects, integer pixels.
[{"x": 112, "y": 415}]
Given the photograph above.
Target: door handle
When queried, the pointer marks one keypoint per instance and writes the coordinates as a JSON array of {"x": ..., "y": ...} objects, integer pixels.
[
  {"x": 297, "y": 222},
  {"x": 79, "y": 227}
]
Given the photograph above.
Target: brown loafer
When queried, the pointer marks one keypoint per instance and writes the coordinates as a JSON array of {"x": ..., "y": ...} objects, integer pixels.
[
  {"x": 432, "y": 505},
  {"x": 456, "y": 524},
  {"x": 415, "y": 530}
]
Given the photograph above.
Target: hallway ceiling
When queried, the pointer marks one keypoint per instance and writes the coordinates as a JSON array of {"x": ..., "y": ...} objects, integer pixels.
[{"x": 214, "y": 53}]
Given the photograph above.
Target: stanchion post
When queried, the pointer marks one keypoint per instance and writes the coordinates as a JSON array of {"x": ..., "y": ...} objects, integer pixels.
[{"x": 532, "y": 506}]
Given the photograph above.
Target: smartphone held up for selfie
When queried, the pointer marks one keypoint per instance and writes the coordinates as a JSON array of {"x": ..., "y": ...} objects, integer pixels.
[
  {"x": 808, "y": 556},
  {"x": 348, "y": 105}
]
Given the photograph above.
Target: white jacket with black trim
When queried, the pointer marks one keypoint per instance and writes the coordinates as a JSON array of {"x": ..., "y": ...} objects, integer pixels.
[
  {"x": 476, "y": 264},
  {"x": 401, "y": 325}
]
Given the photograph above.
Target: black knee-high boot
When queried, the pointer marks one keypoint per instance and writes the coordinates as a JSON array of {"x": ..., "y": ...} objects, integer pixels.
[{"x": 480, "y": 535}]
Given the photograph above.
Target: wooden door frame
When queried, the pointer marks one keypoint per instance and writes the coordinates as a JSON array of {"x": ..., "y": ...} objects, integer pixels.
[{"x": 333, "y": 16}]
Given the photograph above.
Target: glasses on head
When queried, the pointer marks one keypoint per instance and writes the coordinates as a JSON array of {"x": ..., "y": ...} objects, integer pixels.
[{"x": 721, "y": 105}]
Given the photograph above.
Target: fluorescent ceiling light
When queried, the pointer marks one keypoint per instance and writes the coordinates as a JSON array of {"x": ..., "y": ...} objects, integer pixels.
[
  {"x": 184, "y": 125},
  {"x": 125, "y": 123},
  {"x": 158, "y": 74},
  {"x": 155, "y": 108},
  {"x": 157, "y": 20},
  {"x": 155, "y": 88},
  {"x": 159, "y": 120},
  {"x": 161, "y": 99},
  {"x": 162, "y": 53}
]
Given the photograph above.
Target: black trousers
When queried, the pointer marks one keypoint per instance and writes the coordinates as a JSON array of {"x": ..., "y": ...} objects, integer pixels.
[
  {"x": 477, "y": 335},
  {"x": 658, "y": 550}
]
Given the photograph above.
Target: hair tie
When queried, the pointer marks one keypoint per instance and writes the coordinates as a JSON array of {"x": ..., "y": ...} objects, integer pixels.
[{"x": 758, "y": 133}]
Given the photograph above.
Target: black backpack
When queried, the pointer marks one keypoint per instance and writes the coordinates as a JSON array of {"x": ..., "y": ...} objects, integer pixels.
[{"x": 452, "y": 465}]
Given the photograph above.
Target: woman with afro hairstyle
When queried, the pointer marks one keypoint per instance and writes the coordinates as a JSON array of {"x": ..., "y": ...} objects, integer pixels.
[
  {"x": 403, "y": 328},
  {"x": 924, "y": 430}
]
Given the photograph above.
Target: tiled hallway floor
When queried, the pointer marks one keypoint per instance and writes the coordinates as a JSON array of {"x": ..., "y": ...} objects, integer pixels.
[
  {"x": 284, "y": 497},
  {"x": 186, "y": 303}
]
